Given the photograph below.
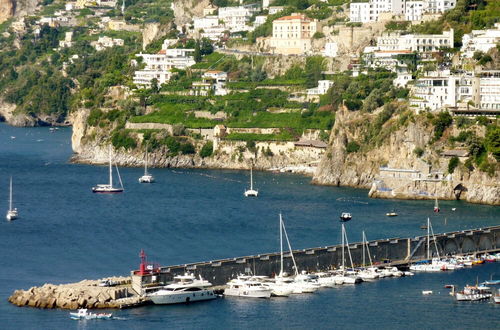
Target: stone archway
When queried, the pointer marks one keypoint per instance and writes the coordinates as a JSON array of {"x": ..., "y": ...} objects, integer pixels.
[
  {"x": 457, "y": 191},
  {"x": 468, "y": 245},
  {"x": 451, "y": 247},
  {"x": 485, "y": 242}
]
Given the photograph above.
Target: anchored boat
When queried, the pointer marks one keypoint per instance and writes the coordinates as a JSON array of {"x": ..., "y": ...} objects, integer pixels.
[
  {"x": 83, "y": 314},
  {"x": 251, "y": 192},
  {"x": 108, "y": 188},
  {"x": 185, "y": 289},
  {"x": 12, "y": 213}
]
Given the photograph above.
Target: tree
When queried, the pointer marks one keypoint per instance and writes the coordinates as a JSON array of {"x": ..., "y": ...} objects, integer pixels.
[
  {"x": 453, "y": 164},
  {"x": 314, "y": 67},
  {"x": 197, "y": 52}
]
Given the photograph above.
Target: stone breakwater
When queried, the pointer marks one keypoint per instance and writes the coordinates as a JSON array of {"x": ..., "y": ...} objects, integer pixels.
[{"x": 84, "y": 294}]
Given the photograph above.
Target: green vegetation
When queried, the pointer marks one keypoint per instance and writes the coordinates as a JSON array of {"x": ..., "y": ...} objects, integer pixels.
[
  {"x": 395, "y": 25},
  {"x": 441, "y": 122},
  {"x": 365, "y": 92},
  {"x": 452, "y": 164},
  {"x": 418, "y": 151},
  {"x": 284, "y": 135},
  {"x": 352, "y": 146},
  {"x": 466, "y": 16},
  {"x": 207, "y": 149}
]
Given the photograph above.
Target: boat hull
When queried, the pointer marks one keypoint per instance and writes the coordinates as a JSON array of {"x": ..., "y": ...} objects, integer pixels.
[
  {"x": 251, "y": 193},
  {"x": 248, "y": 293},
  {"x": 182, "y": 297},
  {"x": 472, "y": 297},
  {"x": 107, "y": 191}
]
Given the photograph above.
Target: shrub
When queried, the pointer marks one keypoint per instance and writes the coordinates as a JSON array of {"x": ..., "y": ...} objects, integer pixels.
[
  {"x": 121, "y": 139},
  {"x": 187, "y": 148},
  {"x": 352, "y": 147},
  {"x": 207, "y": 149},
  {"x": 453, "y": 163},
  {"x": 441, "y": 122},
  {"x": 94, "y": 117},
  {"x": 418, "y": 151}
]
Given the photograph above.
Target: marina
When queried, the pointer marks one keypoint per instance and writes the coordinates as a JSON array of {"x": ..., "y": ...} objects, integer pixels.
[{"x": 178, "y": 225}]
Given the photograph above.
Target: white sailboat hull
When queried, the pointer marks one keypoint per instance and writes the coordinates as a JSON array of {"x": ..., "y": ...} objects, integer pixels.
[
  {"x": 11, "y": 215},
  {"x": 251, "y": 193},
  {"x": 249, "y": 293},
  {"x": 146, "y": 179}
]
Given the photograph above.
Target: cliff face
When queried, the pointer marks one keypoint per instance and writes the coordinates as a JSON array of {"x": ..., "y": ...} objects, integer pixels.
[
  {"x": 361, "y": 169},
  {"x": 90, "y": 145},
  {"x": 18, "y": 8}
]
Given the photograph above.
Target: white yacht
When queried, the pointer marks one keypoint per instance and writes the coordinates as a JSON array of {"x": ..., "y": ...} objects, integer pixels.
[
  {"x": 108, "y": 188},
  {"x": 251, "y": 192},
  {"x": 247, "y": 287},
  {"x": 186, "y": 288},
  {"x": 278, "y": 288},
  {"x": 147, "y": 177},
  {"x": 12, "y": 213}
]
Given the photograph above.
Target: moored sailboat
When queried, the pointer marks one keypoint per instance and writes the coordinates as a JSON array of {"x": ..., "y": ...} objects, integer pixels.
[
  {"x": 12, "y": 213},
  {"x": 108, "y": 188},
  {"x": 251, "y": 192},
  {"x": 146, "y": 178}
]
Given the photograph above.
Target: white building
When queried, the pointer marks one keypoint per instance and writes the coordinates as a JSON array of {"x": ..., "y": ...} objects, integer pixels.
[
  {"x": 415, "y": 42},
  {"x": 369, "y": 11},
  {"x": 106, "y": 3},
  {"x": 480, "y": 40},
  {"x": 214, "y": 33},
  {"x": 205, "y": 22},
  {"x": 159, "y": 65},
  {"x": 434, "y": 91},
  {"x": 413, "y": 10},
  {"x": 292, "y": 34},
  {"x": 107, "y": 42},
  {"x": 486, "y": 90},
  {"x": 213, "y": 81},
  {"x": 275, "y": 9},
  {"x": 331, "y": 49},
  {"x": 235, "y": 18},
  {"x": 259, "y": 20},
  {"x": 323, "y": 87},
  {"x": 68, "y": 40}
]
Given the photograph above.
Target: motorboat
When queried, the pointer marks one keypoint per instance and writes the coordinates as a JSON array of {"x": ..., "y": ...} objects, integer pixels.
[
  {"x": 345, "y": 217},
  {"x": 472, "y": 293},
  {"x": 108, "y": 188},
  {"x": 247, "y": 287},
  {"x": 12, "y": 213},
  {"x": 251, "y": 192},
  {"x": 185, "y": 289},
  {"x": 84, "y": 314},
  {"x": 147, "y": 177},
  {"x": 391, "y": 214}
]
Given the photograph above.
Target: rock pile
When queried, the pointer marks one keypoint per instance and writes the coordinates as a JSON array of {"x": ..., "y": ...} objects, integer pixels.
[{"x": 84, "y": 294}]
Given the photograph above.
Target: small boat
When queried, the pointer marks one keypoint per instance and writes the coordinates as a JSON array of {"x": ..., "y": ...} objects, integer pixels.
[
  {"x": 391, "y": 214},
  {"x": 345, "y": 217},
  {"x": 251, "y": 192},
  {"x": 108, "y": 188},
  {"x": 427, "y": 292},
  {"x": 496, "y": 297},
  {"x": 146, "y": 178},
  {"x": 83, "y": 314},
  {"x": 12, "y": 213},
  {"x": 436, "y": 206},
  {"x": 185, "y": 289},
  {"x": 472, "y": 293},
  {"x": 454, "y": 209}
]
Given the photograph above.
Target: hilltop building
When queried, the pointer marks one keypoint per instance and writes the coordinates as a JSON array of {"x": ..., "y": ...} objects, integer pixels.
[
  {"x": 480, "y": 40},
  {"x": 159, "y": 65},
  {"x": 397, "y": 41},
  {"x": 106, "y": 42},
  {"x": 293, "y": 34},
  {"x": 213, "y": 81},
  {"x": 412, "y": 10}
]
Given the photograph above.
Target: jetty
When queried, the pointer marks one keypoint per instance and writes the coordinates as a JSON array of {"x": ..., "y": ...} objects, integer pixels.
[{"x": 132, "y": 291}]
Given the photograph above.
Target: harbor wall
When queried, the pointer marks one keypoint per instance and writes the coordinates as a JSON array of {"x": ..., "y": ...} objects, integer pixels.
[{"x": 394, "y": 251}]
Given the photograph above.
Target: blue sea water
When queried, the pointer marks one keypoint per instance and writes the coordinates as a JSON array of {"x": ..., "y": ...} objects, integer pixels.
[{"x": 66, "y": 234}]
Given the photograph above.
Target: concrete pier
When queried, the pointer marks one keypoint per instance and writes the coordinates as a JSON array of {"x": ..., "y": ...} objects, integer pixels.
[{"x": 393, "y": 251}]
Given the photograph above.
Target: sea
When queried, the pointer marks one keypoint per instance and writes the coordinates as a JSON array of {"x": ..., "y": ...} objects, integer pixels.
[{"x": 66, "y": 233}]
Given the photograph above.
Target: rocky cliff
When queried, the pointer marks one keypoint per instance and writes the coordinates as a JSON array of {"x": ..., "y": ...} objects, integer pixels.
[
  {"x": 397, "y": 151},
  {"x": 18, "y": 8}
]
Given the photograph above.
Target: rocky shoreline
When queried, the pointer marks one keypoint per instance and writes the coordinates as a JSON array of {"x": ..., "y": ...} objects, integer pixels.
[{"x": 84, "y": 294}]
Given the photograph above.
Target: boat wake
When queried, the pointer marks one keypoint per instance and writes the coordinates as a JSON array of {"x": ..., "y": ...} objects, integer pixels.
[
  {"x": 210, "y": 176},
  {"x": 351, "y": 200}
]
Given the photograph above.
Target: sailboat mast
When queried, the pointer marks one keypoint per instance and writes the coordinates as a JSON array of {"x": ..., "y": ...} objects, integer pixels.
[
  {"x": 251, "y": 178},
  {"x": 343, "y": 253},
  {"x": 428, "y": 240},
  {"x": 364, "y": 249},
  {"x": 110, "y": 169},
  {"x": 10, "y": 195},
  {"x": 290, "y": 249},
  {"x": 281, "y": 245},
  {"x": 146, "y": 165}
]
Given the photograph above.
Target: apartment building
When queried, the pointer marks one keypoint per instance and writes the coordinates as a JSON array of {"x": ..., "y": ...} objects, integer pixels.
[
  {"x": 292, "y": 34},
  {"x": 480, "y": 40}
]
